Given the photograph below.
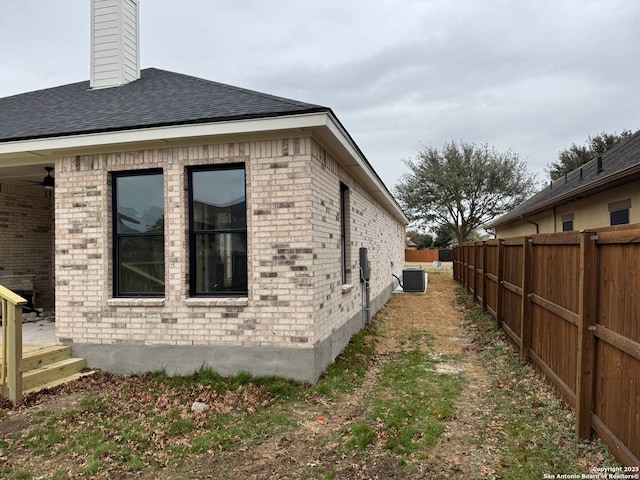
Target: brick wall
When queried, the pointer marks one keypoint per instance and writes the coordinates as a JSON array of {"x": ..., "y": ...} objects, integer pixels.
[
  {"x": 26, "y": 241},
  {"x": 295, "y": 294},
  {"x": 278, "y": 309},
  {"x": 368, "y": 225}
]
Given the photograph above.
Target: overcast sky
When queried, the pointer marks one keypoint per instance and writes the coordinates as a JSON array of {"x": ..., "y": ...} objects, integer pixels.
[{"x": 530, "y": 76}]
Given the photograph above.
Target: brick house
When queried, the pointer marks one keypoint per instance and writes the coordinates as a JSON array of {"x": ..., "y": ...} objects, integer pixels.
[
  {"x": 604, "y": 192},
  {"x": 192, "y": 223}
]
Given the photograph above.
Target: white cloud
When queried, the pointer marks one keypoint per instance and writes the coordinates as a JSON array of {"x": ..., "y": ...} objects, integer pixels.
[{"x": 530, "y": 76}]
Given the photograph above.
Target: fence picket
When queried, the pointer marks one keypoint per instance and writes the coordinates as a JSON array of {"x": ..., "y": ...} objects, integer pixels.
[{"x": 568, "y": 306}]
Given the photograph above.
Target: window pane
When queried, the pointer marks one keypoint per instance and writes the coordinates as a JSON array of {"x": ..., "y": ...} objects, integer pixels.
[
  {"x": 140, "y": 204},
  {"x": 141, "y": 266},
  {"x": 567, "y": 226},
  {"x": 219, "y": 200},
  {"x": 620, "y": 217},
  {"x": 221, "y": 263}
]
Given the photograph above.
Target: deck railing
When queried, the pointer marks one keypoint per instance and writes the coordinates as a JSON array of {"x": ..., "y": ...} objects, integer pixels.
[{"x": 11, "y": 372}]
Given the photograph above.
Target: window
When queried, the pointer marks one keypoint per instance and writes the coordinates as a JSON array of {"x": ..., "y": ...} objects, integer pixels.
[
  {"x": 619, "y": 212},
  {"x": 138, "y": 240},
  {"x": 567, "y": 222},
  {"x": 619, "y": 217},
  {"x": 344, "y": 231},
  {"x": 218, "y": 231}
]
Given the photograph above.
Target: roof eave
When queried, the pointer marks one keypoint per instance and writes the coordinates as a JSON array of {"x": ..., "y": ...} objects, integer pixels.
[
  {"x": 322, "y": 123},
  {"x": 619, "y": 178}
]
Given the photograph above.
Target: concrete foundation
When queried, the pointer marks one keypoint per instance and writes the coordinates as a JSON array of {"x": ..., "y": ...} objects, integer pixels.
[{"x": 304, "y": 364}]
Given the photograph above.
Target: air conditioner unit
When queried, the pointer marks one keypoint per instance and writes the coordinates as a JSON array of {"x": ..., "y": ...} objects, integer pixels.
[{"x": 414, "y": 280}]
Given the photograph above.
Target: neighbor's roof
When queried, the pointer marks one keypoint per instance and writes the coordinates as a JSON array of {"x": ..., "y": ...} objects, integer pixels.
[
  {"x": 620, "y": 165},
  {"x": 159, "y": 98}
]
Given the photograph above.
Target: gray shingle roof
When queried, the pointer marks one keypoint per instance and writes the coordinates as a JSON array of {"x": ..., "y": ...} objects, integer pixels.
[
  {"x": 159, "y": 98},
  {"x": 623, "y": 158}
]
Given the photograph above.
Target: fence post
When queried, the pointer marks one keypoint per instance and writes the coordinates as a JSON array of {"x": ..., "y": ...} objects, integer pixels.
[
  {"x": 466, "y": 267},
  {"x": 454, "y": 263},
  {"x": 587, "y": 317},
  {"x": 484, "y": 276},
  {"x": 500, "y": 285},
  {"x": 525, "y": 318},
  {"x": 475, "y": 272}
]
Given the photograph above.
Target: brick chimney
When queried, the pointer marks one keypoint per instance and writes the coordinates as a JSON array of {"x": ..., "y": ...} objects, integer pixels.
[{"x": 115, "y": 58}]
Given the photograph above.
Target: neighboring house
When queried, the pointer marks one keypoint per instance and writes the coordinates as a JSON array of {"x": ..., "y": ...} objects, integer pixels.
[
  {"x": 411, "y": 245},
  {"x": 601, "y": 193},
  {"x": 192, "y": 223}
]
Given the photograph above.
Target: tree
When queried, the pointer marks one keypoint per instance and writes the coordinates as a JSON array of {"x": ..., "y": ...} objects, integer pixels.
[
  {"x": 422, "y": 240},
  {"x": 463, "y": 186},
  {"x": 577, "y": 155},
  {"x": 444, "y": 236}
]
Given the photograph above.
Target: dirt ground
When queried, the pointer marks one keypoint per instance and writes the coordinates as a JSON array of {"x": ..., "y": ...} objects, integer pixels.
[
  {"x": 315, "y": 445},
  {"x": 312, "y": 451}
]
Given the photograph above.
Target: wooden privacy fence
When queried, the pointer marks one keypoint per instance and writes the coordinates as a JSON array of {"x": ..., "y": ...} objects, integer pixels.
[{"x": 570, "y": 303}]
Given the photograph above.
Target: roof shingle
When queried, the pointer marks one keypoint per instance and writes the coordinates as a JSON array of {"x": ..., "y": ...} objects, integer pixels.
[
  {"x": 623, "y": 156},
  {"x": 158, "y": 98}
]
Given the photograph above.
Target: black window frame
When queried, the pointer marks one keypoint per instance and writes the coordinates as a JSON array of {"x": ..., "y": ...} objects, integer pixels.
[
  {"x": 192, "y": 233},
  {"x": 117, "y": 236},
  {"x": 619, "y": 217},
  {"x": 344, "y": 232},
  {"x": 567, "y": 226}
]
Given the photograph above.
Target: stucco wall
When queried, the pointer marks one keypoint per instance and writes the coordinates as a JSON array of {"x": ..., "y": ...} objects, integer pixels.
[
  {"x": 285, "y": 263},
  {"x": 26, "y": 241},
  {"x": 520, "y": 227},
  {"x": 589, "y": 212},
  {"x": 593, "y": 211}
]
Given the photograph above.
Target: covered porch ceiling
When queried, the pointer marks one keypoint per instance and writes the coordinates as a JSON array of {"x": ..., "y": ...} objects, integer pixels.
[{"x": 26, "y": 174}]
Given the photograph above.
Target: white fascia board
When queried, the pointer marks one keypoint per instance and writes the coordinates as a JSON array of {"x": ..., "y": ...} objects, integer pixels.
[
  {"x": 58, "y": 144},
  {"x": 380, "y": 189}
]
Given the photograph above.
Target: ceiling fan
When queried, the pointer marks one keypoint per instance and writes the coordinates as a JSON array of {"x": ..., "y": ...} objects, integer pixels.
[{"x": 48, "y": 182}]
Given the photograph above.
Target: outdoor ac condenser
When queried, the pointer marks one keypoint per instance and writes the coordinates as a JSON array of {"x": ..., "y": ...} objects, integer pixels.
[{"x": 413, "y": 280}]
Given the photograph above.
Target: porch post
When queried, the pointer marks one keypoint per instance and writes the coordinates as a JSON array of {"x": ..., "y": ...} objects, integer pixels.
[{"x": 14, "y": 352}]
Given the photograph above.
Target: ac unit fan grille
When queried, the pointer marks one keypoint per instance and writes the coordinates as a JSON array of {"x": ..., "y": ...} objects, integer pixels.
[{"x": 413, "y": 280}]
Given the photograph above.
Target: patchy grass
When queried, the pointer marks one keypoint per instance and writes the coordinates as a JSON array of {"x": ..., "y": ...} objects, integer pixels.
[
  {"x": 374, "y": 413},
  {"x": 408, "y": 407},
  {"x": 530, "y": 426},
  {"x": 140, "y": 422},
  {"x": 348, "y": 372}
]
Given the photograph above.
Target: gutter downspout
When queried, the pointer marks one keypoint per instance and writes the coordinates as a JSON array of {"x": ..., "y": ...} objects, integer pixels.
[{"x": 529, "y": 221}]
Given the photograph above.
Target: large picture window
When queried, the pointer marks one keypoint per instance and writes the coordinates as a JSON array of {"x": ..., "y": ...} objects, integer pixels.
[
  {"x": 138, "y": 219},
  {"x": 218, "y": 231}
]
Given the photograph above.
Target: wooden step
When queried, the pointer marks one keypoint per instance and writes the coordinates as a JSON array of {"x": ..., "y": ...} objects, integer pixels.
[
  {"x": 61, "y": 381},
  {"x": 40, "y": 357},
  {"x": 51, "y": 373}
]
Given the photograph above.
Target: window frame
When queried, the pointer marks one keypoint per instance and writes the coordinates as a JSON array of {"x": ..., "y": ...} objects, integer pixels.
[
  {"x": 616, "y": 209},
  {"x": 115, "y": 257},
  {"x": 567, "y": 222},
  {"x": 344, "y": 232},
  {"x": 193, "y": 233},
  {"x": 619, "y": 217}
]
